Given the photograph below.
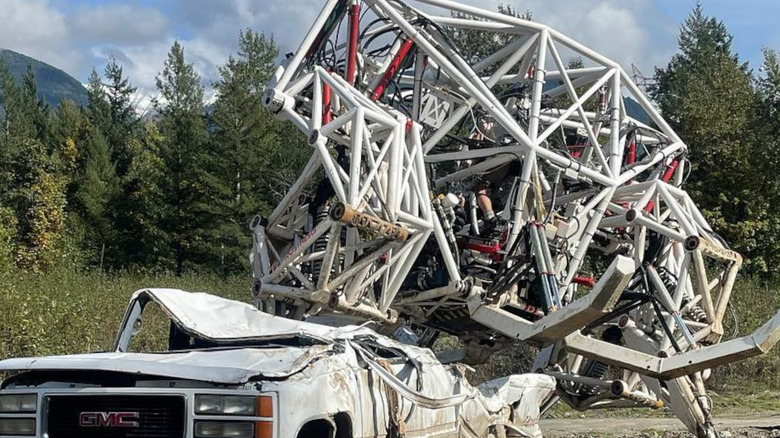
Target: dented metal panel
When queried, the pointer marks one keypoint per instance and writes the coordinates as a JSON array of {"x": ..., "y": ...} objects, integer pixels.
[
  {"x": 230, "y": 366},
  {"x": 220, "y": 319}
]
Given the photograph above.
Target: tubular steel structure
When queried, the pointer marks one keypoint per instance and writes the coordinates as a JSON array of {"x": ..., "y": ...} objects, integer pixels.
[{"x": 471, "y": 198}]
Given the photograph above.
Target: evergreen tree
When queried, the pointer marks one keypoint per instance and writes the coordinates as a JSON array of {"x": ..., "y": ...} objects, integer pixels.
[
  {"x": 706, "y": 95},
  {"x": 36, "y": 109},
  {"x": 67, "y": 126},
  {"x": 65, "y": 129},
  {"x": 124, "y": 120},
  {"x": 7, "y": 85},
  {"x": 8, "y": 222},
  {"x": 66, "y": 122},
  {"x": 98, "y": 188},
  {"x": 34, "y": 180},
  {"x": 182, "y": 126},
  {"x": 19, "y": 110},
  {"x": 144, "y": 243},
  {"x": 98, "y": 109},
  {"x": 245, "y": 144},
  {"x": 121, "y": 135}
]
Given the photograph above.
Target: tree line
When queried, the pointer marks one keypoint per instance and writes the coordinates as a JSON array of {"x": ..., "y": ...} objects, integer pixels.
[
  {"x": 100, "y": 186},
  {"x": 729, "y": 116}
]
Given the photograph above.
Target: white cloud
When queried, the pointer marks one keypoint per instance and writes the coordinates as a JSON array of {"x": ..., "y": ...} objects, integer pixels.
[
  {"x": 142, "y": 63},
  {"x": 35, "y": 28},
  {"x": 140, "y": 35},
  {"x": 119, "y": 24},
  {"x": 627, "y": 31},
  {"x": 220, "y": 21}
]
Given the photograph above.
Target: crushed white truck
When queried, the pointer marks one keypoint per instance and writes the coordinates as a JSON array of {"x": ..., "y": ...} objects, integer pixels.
[{"x": 231, "y": 370}]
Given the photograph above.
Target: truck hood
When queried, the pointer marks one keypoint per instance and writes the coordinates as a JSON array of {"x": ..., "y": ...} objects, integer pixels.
[{"x": 229, "y": 366}]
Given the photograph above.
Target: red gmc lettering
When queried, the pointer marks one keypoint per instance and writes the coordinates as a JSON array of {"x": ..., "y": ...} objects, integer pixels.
[{"x": 108, "y": 419}]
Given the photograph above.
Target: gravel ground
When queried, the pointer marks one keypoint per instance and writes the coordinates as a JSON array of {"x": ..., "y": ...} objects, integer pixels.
[{"x": 752, "y": 426}]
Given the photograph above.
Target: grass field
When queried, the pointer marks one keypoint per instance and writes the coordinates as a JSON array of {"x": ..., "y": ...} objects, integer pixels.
[
  {"x": 68, "y": 312},
  {"x": 74, "y": 312}
]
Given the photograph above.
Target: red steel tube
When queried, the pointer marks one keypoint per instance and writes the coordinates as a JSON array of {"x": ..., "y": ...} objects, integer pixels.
[
  {"x": 354, "y": 28},
  {"x": 666, "y": 178},
  {"x": 670, "y": 170},
  {"x": 588, "y": 282},
  {"x": 392, "y": 70},
  {"x": 327, "y": 114},
  {"x": 631, "y": 153}
]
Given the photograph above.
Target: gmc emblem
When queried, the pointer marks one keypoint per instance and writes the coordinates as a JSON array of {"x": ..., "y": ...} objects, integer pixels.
[{"x": 108, "y": 419}]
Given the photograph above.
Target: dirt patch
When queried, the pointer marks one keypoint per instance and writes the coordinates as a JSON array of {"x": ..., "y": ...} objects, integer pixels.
[{"x": 766, "y": 424}]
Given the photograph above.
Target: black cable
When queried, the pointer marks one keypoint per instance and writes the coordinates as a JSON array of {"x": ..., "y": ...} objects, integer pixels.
[
  {"x": 552, "y": 201},
  {"x": 337, "y": 34},
  {"x": 397, "y": 94},
  {"x": 425, "y": 22},
  {"x": 365, "y": 11},
  {"x": 379, "y": 34},
  {"x": 612, "y": 315}
]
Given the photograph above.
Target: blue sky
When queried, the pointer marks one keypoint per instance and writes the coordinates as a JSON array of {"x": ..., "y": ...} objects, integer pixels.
[
  {"x": 76, "y": 35},
  {"x": 752, "y": 22}
]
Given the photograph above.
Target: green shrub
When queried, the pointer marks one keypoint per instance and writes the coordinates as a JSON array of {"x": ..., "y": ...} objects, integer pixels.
[{"x": 754, "y": 302}]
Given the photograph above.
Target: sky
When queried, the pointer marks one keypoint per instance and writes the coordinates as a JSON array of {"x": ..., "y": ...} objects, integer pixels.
[{"x": 79, "y": 35}]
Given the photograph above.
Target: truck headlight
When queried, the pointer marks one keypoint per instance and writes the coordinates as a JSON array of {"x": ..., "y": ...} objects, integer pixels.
[
  {"x": 18, "y": 403},
  {"x": 17, "y": 426},
  {"x": 225, "y": 405},
  {"x": 224, "y": 429}
]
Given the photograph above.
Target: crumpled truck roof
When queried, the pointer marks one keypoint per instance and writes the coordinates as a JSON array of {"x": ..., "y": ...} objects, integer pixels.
[{"x": 222, "y": 321}]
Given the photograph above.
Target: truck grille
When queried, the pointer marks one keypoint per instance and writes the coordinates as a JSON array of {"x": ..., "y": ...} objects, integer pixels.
[{"x": 116, "y": 416}]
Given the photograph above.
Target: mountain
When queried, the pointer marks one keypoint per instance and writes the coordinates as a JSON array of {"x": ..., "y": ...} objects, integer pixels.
[{"x": 54, "y": 85}]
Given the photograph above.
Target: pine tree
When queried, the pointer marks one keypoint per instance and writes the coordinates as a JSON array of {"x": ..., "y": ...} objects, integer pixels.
[
  {"x": 182, "y": 126},
  {"x": 8, "y": 222},
  {"x": 98, "y": 189},
  {"x": 19, "y": 109},
  {"x": 65, "y": 129},
  {"x": 706, "y": 95},
  {"x": 36, "y": 109},
  {"x": 144, "y": 243},
  {"x": 7, "y": 85},
  {"x": 121, "y": 135},
  {"x": 98, "y": 109},
  {"x": 245, "y": 138},
  {"x": 124, "y": 120}
]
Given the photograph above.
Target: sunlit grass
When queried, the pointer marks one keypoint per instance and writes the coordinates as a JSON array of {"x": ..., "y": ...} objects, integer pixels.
[{"x": 74, "y": 312}]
